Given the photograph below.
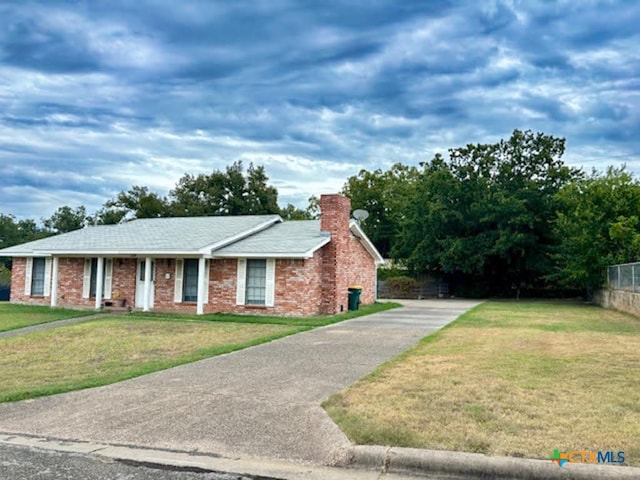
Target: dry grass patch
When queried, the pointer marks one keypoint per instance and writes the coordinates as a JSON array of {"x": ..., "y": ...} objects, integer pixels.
[
  {"x": 508, "y": 378},
  {"x": 109, "y": 350},
  {"x": 14, "y": 316}
]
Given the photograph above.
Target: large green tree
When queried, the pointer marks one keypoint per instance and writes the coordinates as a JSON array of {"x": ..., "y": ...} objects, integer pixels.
[
  {"x": 384, "y": 195},
  {"x": 138, "y": 202},
  {"x": 291, "y": 212},
  {"x": 225, "y": 193},
  {"x": 66, "y": 219},
  {"x": 14, "y": 232},
  {"x": 486, "y": 212},
  {"x": 598, "y": 224}
]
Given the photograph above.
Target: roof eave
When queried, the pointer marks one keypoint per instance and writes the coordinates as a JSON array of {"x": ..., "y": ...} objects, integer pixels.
[{"x": 106, "y": 253}]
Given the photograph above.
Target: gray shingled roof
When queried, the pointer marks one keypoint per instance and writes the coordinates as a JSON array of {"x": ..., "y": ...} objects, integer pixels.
[
  {"x": 293, "y": 239},
  {"x": 184, "y": 234}
]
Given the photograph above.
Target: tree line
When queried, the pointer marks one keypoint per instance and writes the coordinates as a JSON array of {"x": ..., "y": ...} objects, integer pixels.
[
  {"x": 504, "y": 217},
  {"x": 229, "y": 192},
  {"x": 489, "y": 218}
]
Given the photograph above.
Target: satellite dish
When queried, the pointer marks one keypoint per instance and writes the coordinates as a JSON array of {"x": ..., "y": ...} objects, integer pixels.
[{"x": 360, "y": 215}]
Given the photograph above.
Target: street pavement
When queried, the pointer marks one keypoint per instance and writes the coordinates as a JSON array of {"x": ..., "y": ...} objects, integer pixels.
[
  {"x": 261, "y": 402},
  {"x": 26, "y": 463}
]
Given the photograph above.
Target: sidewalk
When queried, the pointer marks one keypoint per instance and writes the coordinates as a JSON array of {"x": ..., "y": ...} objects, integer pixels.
[{"x": 57, "y": 323}]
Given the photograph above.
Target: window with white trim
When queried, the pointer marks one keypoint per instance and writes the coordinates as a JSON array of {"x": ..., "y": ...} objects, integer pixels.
[
  {"x": 256, "y": 284},
  {"x": 37, "y": 276},
  {"x": 90, "y": 280}
]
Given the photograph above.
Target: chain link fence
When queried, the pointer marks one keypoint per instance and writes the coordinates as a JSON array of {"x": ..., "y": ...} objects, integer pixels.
[{"x": 624, "y": 277}]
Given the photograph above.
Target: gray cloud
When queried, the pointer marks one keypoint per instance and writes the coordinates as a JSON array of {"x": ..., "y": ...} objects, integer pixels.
[{"x": 96, "y": 96}]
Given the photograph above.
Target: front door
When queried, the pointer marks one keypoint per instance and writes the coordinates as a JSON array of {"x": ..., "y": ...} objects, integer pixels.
[{"x": 140, "y": 283}]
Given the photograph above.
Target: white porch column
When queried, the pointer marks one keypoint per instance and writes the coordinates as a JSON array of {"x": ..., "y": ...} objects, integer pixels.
[
  {"x": 99, "y": 282},
  {"x": 202, "y": 263},
  {"x": 146, "y": 304},
  {"x": 54, "y": 282}
]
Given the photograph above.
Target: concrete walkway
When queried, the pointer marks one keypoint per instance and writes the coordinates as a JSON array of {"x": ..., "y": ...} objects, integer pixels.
[
  {"x": 57, "y": 323},
  {"x": 263, "y": 401}
]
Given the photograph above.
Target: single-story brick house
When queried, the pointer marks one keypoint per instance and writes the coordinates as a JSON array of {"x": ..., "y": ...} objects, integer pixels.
[{"x": 242, "y": 264}]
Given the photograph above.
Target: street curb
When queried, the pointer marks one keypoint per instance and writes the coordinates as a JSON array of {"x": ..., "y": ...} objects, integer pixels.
[
  {"x": 245, "y": 468},
  {"x": 474, "y": 465}
]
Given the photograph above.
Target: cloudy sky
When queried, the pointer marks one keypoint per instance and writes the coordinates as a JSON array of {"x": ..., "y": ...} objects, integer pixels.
[{"x": 100, "y": 95}]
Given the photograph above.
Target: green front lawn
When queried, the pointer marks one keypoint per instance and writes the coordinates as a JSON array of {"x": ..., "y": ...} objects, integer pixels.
[
  {"x": 112, "y": 349},
  {"x": 317, "y": 321},
  {"x": 14, "y": 316},
  {"x": 507, "y": 378}
]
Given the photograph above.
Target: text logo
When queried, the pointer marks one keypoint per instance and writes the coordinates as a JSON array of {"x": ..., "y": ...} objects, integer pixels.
[{"x": 586, "y": 456}]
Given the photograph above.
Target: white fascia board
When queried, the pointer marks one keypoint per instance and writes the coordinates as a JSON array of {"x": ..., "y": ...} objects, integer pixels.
[
  {"x": 25, "y": 254},
  {"x": 262, "y": 255},
  {"x": 114, "y": 253},
  {"x": 370, "y": 247},
  {"x": 207, "y": 249}
]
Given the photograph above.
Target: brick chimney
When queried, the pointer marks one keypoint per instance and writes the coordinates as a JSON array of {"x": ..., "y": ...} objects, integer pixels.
[{"x": 335, "y": 213}]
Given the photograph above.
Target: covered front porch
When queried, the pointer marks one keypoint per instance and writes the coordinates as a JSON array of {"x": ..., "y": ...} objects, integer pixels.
[{"x": 145, "y": 282}]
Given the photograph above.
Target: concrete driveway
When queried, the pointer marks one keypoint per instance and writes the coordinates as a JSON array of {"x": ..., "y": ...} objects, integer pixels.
[{"x": 263, "y": 401}]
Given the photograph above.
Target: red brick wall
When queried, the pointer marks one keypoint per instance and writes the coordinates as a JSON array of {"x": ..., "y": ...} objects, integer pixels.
[
  {"x": 361, "y": 270},
  {"x": 17, "y": 284},
  {"x": 70, "y": 279},
  {"x": 346, "y": 261},
  {"x": 163, "y": 287},
  {"x": 297, "y": 290},
  {"x": 335, "y": 214},
  {"x": 298, "y": 286},
  {"x": 123, "y": 281}
]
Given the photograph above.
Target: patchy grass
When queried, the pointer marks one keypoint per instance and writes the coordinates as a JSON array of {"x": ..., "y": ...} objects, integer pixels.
[
  {"x": 14, "y": 316},
  {"x": 113, "y": 349},
  {"x": 507, "y": 378},
  {"x": 317, "y": 321}
]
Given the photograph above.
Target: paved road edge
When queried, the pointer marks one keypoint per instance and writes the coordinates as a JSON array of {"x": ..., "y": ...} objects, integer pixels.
[
  {"x": 191, "y": 461},
  {"x": 473, "y": 465}
]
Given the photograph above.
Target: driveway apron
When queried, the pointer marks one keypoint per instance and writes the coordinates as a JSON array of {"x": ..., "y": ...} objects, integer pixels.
[{"x": 262, "y": 401}]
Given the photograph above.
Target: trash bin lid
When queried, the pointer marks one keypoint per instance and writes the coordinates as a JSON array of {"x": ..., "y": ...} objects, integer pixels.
[{"x": 355, "y": 287}]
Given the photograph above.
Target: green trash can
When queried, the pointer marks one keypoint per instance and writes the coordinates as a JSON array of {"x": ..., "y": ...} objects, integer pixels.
[{"x": 354, "y": 297}]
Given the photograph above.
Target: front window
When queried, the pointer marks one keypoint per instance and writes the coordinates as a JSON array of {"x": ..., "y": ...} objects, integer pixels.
[
  {"x": 37, "y": 277},
  {"x": 190, "y": 279},
  {"x": 256, "y": 282}
]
